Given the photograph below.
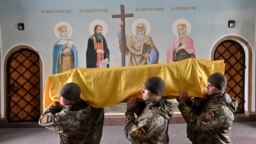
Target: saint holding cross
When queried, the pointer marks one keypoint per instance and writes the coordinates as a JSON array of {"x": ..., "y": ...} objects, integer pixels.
[
  {"x": 140, "y": 47},
  {"x": 122, "y": 41}
]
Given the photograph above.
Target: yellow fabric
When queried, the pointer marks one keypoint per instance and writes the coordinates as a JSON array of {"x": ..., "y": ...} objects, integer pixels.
[{"x": 102, "y": 87}]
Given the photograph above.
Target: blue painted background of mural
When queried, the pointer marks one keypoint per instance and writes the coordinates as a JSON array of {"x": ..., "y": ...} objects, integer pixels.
[{"x": 208, "y": 20}]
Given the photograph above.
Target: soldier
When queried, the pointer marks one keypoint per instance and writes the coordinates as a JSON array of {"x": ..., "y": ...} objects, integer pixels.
[
  {"x": 209, "y": 120},
  {"x": 75, "y": 121},
  {"x": 150, "y": 126}
]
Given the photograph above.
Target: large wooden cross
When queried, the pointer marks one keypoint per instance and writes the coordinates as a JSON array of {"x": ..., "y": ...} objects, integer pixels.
[{"x": 123, "y": 15}]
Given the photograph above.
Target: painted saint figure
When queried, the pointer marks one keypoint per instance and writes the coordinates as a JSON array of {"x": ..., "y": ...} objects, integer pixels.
[
  {"x": 97, "y": 54},
  {"x": 65, "y": 55},
  {"x": 141, "y": 49},
  {"x": 182, "y": 47}
]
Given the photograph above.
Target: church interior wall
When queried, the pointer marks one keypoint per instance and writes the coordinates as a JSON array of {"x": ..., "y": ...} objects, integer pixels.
[
  {"x": 208, "y": 22},
  {"x": 1, "y": 75}
]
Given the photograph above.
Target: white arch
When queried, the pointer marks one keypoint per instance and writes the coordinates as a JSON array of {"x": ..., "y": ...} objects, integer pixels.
[
  {"x": 249, "y": 91},
  {"x": 11, "y": 50}
]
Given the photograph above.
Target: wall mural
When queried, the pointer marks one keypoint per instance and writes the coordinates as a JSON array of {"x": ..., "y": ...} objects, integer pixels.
[
  {"x": 97, "y": 53},
  {"x": 183, "y": 46},
  {"x": 140, "y": 47},
  {"x": 136, "y": 48},
  {"x": 64, "y": 51}
]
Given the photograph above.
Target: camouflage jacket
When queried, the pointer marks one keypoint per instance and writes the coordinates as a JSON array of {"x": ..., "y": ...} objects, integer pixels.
[
  {"x": 75, "y": 124},
  {"x": 151, "y": 127},
  {"x": 211, "y": 121}
]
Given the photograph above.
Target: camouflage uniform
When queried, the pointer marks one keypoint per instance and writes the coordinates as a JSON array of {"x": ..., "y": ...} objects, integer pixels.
[
  {"x": 210, "y": 121},
  {"x": 151, "y": 127},
  {"x": 76, "y": 124}
]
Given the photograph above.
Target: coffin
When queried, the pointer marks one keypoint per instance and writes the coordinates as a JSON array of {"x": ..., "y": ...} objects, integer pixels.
[{"x": 102, "y": 87}]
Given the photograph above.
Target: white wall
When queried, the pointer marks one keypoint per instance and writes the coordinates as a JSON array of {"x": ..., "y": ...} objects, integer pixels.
[
  {"x": 254, "y": 68},
  {"x": 1, "y": 76}
]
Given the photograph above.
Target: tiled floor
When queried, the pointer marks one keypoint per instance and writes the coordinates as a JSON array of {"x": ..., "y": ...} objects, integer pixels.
[{"x": 242, "y": 133}]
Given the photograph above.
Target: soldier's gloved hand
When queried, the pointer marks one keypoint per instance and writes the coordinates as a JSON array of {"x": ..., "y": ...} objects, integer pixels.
[
  {"x": 54, "y": 108},
  {"x": 131, "y": 103},
  {"x": 183, "y": 97},
  {"x": 43, "y": 119},
  {"x": 140, "y": 107},
  {"x": 131, "y": 106}
]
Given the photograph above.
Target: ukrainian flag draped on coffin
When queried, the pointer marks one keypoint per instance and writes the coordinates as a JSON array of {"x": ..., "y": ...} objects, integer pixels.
[{"x": 102, "y": 87}]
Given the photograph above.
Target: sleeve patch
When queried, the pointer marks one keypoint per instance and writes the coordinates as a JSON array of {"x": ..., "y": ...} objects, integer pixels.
[
  {"x": 206, "y": 117},
  {"x": 138, "y": 133}
]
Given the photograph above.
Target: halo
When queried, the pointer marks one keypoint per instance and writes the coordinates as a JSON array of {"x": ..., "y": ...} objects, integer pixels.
[
  {"x": 181, "y": 21},
  {"x": 61, "y": 23},
  {"x": 141, "y": 20},
  {"x": 98, "y": 22}
]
